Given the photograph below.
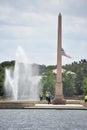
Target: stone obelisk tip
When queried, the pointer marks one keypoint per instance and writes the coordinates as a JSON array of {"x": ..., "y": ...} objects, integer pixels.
[{"x": 60, "y": 14}]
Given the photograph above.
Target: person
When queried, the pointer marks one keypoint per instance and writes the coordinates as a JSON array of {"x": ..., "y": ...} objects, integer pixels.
[
  {"x": 49, "y": 99},
  {"x": 41, "y": 96},
  {"x": 85, "y": 98},
  {"x": 47, "y": 95}
]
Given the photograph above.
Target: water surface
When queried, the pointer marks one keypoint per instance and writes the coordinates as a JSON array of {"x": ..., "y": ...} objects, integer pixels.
[{"x": 30, "y": 119}]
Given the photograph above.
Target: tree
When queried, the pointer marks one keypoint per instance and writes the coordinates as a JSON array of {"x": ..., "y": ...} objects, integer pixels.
[
  {"x": 48, "y": 82},
  {"x": 68, "y": 84},
  {"x": 78, "y": 82},
  {"x": 84, "y": 86}
]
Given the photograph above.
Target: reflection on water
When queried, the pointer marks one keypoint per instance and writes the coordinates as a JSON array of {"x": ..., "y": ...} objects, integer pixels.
[{"x": 30, "y": 119}]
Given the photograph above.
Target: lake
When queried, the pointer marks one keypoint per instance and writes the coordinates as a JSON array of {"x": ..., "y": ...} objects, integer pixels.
[{"x": 40, "y": 119}]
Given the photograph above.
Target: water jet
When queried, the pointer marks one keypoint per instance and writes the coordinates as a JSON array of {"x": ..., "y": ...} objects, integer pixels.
[{"x": 22, "y": 81}]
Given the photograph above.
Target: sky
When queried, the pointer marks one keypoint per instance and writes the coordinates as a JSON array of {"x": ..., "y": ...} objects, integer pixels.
[{"x": 33, "y": 24}]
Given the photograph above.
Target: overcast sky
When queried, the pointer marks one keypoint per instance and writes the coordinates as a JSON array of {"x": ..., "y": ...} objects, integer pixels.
[{"x": 32, "y": 24}]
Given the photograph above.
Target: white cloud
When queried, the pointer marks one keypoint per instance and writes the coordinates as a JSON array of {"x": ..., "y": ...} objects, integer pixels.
[
  {"x": 33, "y": 25},
  {"x": 75, "y": 25},
  {"x": 7, "y": 31}
]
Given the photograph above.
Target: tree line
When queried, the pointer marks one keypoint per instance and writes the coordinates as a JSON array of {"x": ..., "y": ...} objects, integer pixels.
[{"x": 74, "y": 77}]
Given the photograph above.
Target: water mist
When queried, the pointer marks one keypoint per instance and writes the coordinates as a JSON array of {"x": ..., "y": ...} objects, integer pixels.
[{"x": 22, "y": 82}]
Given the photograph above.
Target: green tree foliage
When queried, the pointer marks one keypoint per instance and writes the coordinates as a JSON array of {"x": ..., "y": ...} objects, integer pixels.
[
  {"x": 3, "y": 66},
  {"x": 79, "y": 82},
  {"x": 68, "y": 84},
  {"x": 51, "y": 67},
  {"x": 42, "y": 69},
  {"x": 72, "y": 85},
  {"x": 48, "y": 82},
  {"x": 84, "y": 86},
  {"x": 2, "y": 76},
  {"x": 7, "y": 64},
  {"x": 1, "y": 89},
  {"x": 81, "y": 71}
]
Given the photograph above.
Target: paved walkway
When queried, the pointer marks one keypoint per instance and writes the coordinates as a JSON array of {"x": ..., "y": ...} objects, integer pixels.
[{"x": 61, "y": 107}]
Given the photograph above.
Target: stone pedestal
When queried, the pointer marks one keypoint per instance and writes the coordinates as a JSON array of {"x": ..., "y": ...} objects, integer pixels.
[{"x": 58, "y": 99}]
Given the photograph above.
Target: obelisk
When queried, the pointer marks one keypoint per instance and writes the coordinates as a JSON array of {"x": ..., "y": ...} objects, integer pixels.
[{"x": 59, "y": 99}]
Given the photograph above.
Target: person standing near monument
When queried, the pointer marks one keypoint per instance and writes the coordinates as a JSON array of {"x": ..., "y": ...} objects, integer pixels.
[
  {"x": 46, "y": 95},
  {"x": 49, "y": 99},
  {"x": 85, "y": 98},
  {"x": 41, "y": 96}
]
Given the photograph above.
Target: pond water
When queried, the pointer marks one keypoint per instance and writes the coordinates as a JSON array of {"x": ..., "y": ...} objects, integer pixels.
[{"x": 39, "y": 119}]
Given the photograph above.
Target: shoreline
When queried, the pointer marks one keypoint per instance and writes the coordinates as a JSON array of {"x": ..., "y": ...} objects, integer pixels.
[{"x": 70, "y": 105}]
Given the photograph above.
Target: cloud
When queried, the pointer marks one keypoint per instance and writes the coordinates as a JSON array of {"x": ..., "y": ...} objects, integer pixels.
[
  {"x": 75, "y": 26},
  {"x": 7, "y": 32},
  {"x": 33, "y": 25}
]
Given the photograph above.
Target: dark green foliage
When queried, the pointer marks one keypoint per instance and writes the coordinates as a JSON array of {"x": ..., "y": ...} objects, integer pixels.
[
  {"x": 84, "y": 86},
  {"x": 51, "y": 67},
  {"x": 3, "y": 66},
  {"x": 48, "y": 82},
  {"x": 1, "y": 89},
  {"x": 68, "y": 84},
  {"x": 41, "y": 69},
  {"x": 72, "y": 84},
  {"x": 7, "y": 64},
  {"x": 81, "y": 71}
]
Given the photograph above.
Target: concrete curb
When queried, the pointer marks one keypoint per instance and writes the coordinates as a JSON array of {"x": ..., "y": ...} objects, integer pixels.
[
  {"x": 58, "y": 107},
  {"x": 40, "y": 105}
]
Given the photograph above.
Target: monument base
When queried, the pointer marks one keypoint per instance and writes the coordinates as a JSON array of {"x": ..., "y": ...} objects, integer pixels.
[{"x": 58, "y": 101}]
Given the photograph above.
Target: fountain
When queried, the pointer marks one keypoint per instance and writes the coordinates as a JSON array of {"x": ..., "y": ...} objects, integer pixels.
[{"x": 22, "y": 82}]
